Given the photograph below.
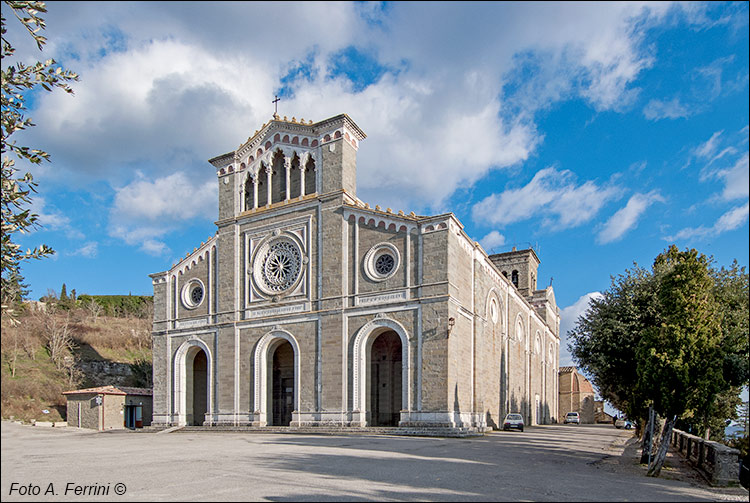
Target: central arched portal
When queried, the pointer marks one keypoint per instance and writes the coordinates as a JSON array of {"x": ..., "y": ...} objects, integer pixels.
[
  {"x": 197, "y": 388},
  {"x": 385, "y": 383},
  {"x": 281, "y": 387}
]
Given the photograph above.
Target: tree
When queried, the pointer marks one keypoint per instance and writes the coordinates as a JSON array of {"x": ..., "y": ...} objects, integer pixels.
[
  {"x": 604, "y": 340},
  {"x": 57, "y": 336},
  {"x": 674, "y": 338},
  {"x": 18, "y": 79},
  {"x": 677, "y": 358}
]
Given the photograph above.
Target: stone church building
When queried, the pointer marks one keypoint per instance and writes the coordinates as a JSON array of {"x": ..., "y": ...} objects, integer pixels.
[{"x": 309, "y": 307}]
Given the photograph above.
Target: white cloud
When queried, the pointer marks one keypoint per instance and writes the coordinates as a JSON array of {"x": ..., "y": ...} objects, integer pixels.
[
  {"x": 707, "y": 150},
  {"x": 736, "y": 179},
  {"x": 626, "y": 218},
  {"x": 657, "y": 109},
  {"x": 49, "y": 218},
  {"x": 729, "y": 221},
  {"x": 568, "y": 318},
  {"x": 157, "y": 93},
  {"x": 88, "y": 250},
  {"x": 52, "y": 219},
  {"x": 492, "y": 240},
  {"x": 145, "y": 210},
  {"x": 155, "y": 247},
  {"x": 551, "y": 195}
]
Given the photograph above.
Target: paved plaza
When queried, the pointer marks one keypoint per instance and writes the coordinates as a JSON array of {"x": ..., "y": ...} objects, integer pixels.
[{"x": 545, "y": 463}]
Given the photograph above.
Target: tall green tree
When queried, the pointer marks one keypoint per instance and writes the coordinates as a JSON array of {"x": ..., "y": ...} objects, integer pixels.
[
  {"x": 605, "y": 339},
  {"x": 679, "y": 360},
  {"x": 674, "y": 337},
  {"x": 18, "y": 79}
]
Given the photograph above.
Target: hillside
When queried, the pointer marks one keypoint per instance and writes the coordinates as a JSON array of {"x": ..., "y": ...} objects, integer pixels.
[{"x": 48, "y": 350}]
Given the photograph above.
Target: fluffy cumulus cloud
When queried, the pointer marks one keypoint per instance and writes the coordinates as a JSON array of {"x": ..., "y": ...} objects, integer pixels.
[
  {"x": 568, "y": 318},
  {"x": 552, "y": 195},
  {"x": 441, "y": 110},
  {"x": 491, "y": 241},
  {"x": 626, "y": 218}
]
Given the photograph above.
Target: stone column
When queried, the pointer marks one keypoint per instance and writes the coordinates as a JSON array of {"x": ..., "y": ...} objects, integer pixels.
[
  {"x": 288, "y": 168},
  {"x": 302, "y": 164},
  {"x": 269, "y": 170},
  {"x": 255, "y": 192}
]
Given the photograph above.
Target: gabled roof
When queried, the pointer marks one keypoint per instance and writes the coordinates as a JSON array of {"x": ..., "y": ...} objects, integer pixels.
[{"x": 111, "y": 390}]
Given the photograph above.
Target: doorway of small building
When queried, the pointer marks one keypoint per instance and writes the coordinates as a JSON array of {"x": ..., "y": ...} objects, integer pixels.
[
  {"x": 133, "y": 416},
  {"x": 282, "y": 385},
  {"x": 197, "y": 388},
  {"x": 385, "y": 380}
]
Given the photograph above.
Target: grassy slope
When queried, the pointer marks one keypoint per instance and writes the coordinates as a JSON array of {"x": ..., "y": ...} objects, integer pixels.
[{"x": 38, "y": 384}]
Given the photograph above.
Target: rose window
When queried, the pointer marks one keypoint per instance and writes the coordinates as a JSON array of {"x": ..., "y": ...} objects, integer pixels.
[
  {"x": 196, "y": 295},
  {"x": 384, "y": 264},
  {"x": 278, "y": 265}
]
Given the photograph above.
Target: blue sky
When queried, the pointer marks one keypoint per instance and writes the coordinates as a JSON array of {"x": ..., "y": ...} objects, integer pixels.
[{"x": 599, "y": 133}]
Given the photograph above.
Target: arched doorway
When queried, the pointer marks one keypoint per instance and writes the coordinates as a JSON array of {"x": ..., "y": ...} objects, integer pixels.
[
  {"x": 385, "y": 380},
  {"x": 281, "y": 385},
  {"x": 196, "y": 387}
]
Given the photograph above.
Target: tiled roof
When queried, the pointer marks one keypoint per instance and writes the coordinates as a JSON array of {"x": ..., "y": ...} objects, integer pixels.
[
  {"x": 111, "y": 390},
  {"x": 567, "y": 370}
]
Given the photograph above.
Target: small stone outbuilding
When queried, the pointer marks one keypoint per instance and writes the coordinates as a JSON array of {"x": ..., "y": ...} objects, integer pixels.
[
  {"x": 109, "y": 407},
  {"x": 600, "y": 415},
  {"x": 576, "y": 394}
]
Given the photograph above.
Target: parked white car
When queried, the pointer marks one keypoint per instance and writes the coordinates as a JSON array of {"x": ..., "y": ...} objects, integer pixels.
[
  {"x": 623, "y": 423},
  {"x": 513, "y": 422},
  {"x": 573, "y": 418}
]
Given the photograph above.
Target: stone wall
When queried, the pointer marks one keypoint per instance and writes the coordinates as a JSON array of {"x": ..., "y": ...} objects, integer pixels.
[{"x": 717, "y": 462}]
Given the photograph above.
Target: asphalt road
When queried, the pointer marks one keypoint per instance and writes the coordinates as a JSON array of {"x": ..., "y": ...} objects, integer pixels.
[{"x": 546, "y": 463}]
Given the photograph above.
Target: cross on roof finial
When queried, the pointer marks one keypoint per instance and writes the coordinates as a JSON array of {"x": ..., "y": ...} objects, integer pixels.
[{"x": 276, "y": 107}]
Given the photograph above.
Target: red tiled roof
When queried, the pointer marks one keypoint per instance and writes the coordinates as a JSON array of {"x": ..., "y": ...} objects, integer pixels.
[{"x": 111, "y": 390}]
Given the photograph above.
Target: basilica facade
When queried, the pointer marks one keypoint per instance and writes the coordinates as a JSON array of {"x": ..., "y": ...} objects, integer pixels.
[{"x": 309, "y": 307}]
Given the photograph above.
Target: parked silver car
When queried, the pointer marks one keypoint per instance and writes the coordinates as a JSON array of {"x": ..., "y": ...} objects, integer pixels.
[{"x": 573, "y": 418}]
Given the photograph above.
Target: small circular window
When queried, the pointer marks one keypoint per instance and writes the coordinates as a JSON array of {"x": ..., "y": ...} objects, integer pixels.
[
  {"x": 519, "y": 331},
  {"x": 382, "y": 261},
  {"x": 493, "y": 310},
  {"x": 193, "y": 294}
]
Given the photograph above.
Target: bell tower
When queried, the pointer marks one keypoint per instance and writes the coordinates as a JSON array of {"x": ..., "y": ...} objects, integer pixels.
[{"x": 288, "y": 160}]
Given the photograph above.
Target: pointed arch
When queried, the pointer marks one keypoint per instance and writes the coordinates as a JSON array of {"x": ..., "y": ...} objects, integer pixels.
[
  {"x": 310, "y": 176},
  {"x": 295, "y": 177},
  {"x": 278, "y": 177},
  {"x": 262, "y": 184}
]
